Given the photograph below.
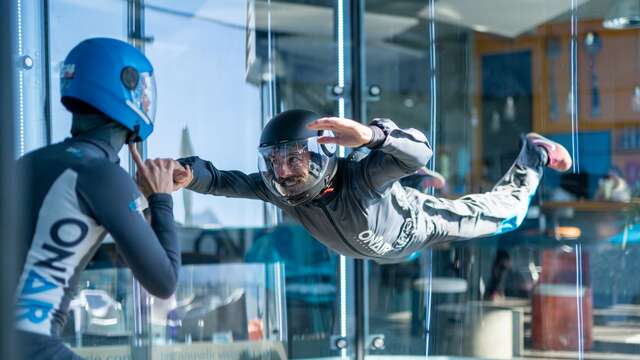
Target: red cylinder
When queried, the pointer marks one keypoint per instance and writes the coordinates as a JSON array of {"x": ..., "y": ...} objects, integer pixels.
[{"x": 555, "y": 323}]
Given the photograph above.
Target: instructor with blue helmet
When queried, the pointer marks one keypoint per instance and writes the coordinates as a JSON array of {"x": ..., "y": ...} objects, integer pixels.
[{"x": 76, "y": 193}]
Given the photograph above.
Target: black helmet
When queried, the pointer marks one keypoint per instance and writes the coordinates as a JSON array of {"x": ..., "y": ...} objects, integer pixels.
[{"x": 293, "y": 165}]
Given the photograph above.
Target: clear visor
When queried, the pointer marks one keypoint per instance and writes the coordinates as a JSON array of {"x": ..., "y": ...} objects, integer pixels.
[
  {"x": 292, "y": 168},
  {"x": 144, "y": 96}
]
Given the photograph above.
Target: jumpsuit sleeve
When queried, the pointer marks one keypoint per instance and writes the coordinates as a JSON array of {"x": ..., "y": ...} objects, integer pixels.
[
  {"x": 152, "y": 251},
  {"x": 207, "y": 179},
  {"x": 402, "y": 153}
]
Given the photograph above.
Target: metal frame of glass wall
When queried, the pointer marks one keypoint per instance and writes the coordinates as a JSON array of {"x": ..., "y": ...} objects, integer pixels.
[
  {"x": 7, "y": 179},
  {"x": 358, "y": 106}
]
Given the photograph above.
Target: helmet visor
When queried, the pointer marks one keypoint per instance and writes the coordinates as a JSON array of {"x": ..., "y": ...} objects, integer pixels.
[
  {"x": 143, "y": 97},
  {"x": 293, "y": 168}
]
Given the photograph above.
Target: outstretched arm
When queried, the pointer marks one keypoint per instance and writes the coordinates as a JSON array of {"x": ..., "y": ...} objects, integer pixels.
[
  {"x": 395, "y": 154},
  {"x": 346, "y": 132},
  {"x": 207, "y": 179}
]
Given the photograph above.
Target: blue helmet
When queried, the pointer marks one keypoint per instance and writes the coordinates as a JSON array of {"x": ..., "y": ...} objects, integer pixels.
[{"x": 113, "y": 77}]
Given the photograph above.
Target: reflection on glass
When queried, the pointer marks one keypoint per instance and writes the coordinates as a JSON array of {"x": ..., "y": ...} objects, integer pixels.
[
  {"x": 635, "y": 99},
  {"x": 622, "y": 14},
  {"x": 553, "y": 52},
  {"x": 229, "y": 310},
  {"x": 593, "y": 45},
  {"x": 311, "y": 286},
  {"x": 100, "y": 318}
]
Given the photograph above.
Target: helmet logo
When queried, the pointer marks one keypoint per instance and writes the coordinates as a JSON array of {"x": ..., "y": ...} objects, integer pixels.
[
  {"x": 68, "y": 71},
  {"x": 129, "y": 77}
]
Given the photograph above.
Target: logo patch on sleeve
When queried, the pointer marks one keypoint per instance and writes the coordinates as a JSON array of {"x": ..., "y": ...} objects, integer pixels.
[{"x": 139, "y": 204}]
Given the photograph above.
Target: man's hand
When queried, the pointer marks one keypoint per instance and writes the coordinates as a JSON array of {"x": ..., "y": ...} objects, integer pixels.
[
  {"x": 346, "y": 132},
  {"x": 157, "y": 176},
  {"x": 182, "y": 176}
]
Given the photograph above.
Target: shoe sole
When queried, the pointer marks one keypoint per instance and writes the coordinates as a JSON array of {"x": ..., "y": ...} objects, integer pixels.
[{"x": 554, "y": 147}]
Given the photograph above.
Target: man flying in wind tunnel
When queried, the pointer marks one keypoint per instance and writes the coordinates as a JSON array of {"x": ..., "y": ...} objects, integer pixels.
[{"x": 359, "y": 208}]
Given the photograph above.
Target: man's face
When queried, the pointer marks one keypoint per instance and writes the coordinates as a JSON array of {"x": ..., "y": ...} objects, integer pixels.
[
  {"x": 291, "y": 168},
  {"x": 144, "y": 95}
]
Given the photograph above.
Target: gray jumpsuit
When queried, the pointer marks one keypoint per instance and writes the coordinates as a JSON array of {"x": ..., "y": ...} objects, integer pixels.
[{"x": 370, "y": 215}]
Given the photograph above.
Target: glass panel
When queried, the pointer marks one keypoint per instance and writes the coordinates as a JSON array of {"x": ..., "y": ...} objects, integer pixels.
[
  {"x": 207, "y": 106},
  {"x": 311, "y": 53},
  {"x": 310, "y": 56},
  {"x": 474, "y": 76},
  {"x": 244, "y": 76},
  {"x": 227, "y": 68}
]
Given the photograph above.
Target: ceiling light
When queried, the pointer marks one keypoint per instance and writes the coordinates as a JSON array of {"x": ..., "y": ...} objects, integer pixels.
[{"x": 624, "y": 14}]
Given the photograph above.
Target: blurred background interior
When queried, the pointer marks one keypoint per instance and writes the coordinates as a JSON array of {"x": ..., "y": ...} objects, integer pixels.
[{"x": 472, "y": 75}]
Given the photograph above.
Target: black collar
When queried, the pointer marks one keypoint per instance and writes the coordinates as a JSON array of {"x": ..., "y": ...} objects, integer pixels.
[{"x": 109, "y": 152}]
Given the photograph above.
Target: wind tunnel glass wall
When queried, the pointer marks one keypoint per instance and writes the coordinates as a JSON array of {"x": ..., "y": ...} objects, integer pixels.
[
  {"x": 474, "y": 76},
  {"x": 228, "y": 68},
  {"x": 207, "y": 105},
  {"x": 222, "y": 70}
]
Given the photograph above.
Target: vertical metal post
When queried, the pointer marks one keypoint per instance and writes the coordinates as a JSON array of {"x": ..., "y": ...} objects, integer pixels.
[
  {"x": 357, "y": 68},
  {"x": 427, "y": 258},
  {"x": 269, "y": 106},
  {"x": 46, "y": 66},
  {"x": 31, "y": 131},
  {"x": 575, "y": 152},
  {"x": 141, "y": 340},
  {"x": 8, "y": 210}
]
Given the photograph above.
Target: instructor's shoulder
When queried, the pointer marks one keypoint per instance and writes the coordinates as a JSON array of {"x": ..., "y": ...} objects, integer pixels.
[{"x": 105, "y": 174}]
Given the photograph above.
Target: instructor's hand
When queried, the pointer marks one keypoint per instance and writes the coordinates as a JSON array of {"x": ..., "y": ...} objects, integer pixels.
[
  {"x": 346, "y": 132},
  {"x": 153, "y": 176},
  {"x": 182, "y": 175}
]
